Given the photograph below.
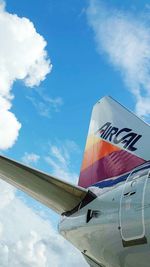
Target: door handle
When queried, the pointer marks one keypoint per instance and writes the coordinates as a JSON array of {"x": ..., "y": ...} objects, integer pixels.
[{"x": 130, "y": 193}]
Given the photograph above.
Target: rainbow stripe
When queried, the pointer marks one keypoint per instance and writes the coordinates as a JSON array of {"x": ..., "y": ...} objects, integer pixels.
[{"x": 103, "y": 160}]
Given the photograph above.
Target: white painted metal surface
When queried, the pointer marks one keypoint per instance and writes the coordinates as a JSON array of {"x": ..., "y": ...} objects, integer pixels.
[{"x": 103, "y": 238}]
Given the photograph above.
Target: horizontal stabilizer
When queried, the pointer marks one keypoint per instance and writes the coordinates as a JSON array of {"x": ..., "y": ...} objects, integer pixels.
[{"x": 52, "y": 192}]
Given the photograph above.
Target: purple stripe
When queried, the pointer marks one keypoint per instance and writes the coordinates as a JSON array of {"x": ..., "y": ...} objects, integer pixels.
[
  {"x": 122, "y": 178},
  {"x": 115, "y": 164}
]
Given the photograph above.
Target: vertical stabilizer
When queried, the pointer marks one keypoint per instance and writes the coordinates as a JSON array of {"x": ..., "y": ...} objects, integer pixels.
[{"x": 117, "y": 142}]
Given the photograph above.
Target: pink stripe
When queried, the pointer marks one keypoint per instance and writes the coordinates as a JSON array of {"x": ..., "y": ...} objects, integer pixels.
[{"x": 114, "y": 164}]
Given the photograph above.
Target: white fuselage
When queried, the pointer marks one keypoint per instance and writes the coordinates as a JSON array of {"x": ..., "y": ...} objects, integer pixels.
[{"x": 114, "y": 229}]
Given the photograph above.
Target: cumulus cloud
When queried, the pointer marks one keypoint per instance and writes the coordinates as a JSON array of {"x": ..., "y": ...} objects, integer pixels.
[
  {"x": 59, "y": 159},
  {"x": 29, "y": 158},
  {"x": 27, "y": 236},
  {"x": 27, "y": 240},
  {"x": 22, "y": 57},
  {"x": 125, "y": 39}
]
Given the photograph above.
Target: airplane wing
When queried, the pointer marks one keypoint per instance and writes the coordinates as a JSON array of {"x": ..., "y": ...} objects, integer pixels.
[{"x": 54, "y": 193}]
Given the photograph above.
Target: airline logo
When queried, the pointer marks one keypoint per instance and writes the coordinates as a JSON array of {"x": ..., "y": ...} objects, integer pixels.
[{"x": 126, "y": 136}]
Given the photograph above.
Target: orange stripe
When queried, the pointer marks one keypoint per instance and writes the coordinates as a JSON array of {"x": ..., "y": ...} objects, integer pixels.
[
  {"x": 91, "y": 140},
  {"x": 97, "y": 151}
]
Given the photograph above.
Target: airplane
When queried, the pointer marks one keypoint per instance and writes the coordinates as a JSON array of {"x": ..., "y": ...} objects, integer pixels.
[{"x": 107, "y": 215}]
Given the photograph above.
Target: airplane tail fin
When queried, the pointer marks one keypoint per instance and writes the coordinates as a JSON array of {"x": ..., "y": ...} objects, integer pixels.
[{"x": 117, "y": 142}]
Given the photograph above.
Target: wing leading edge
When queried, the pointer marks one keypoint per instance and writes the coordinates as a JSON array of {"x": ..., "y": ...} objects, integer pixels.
[{"x": 52, "y": 192}]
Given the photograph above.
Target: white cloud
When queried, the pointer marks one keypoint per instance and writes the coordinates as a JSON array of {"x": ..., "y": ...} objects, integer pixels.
[
  {"x": 58, "y": 154},
  {"x": 30, "y": 158},
  {"x": 125, "y": 38},
  {"x": 27, "y": 240},
  {"x": 60, "y": 160},
  {"x": 9, "y": 129},
  {"x": 22, "y": 57},
  {"x": 44, "y": 104}
]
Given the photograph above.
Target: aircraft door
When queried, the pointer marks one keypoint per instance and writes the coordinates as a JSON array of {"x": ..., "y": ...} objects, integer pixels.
[{"x": 131, "y": 213}]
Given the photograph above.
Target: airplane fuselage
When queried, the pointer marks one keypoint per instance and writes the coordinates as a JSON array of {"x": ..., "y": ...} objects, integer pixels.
[{"x": 113, "y": 230}]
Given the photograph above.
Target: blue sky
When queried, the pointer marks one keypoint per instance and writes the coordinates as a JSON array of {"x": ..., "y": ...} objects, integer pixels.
[
  {"x": 79, "y": 76},
  {"x": 96, "y": 49}
]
